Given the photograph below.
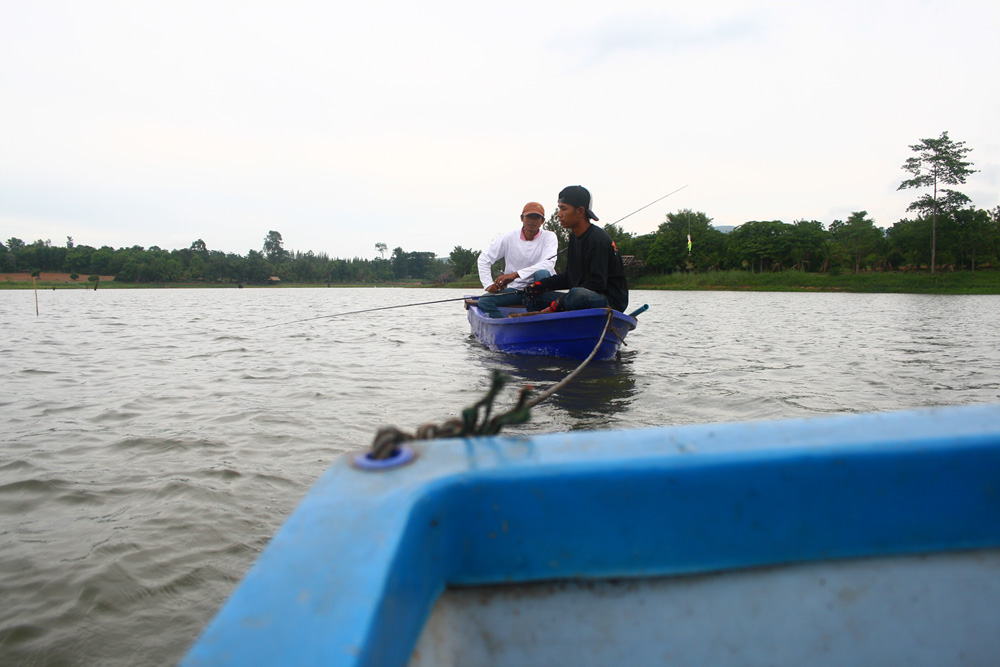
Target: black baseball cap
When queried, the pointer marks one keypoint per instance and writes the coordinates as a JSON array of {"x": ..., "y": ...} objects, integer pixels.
[{"x": 577, "y": 195}]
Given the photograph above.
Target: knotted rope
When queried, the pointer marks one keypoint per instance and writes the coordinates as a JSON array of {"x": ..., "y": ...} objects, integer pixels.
[{"x": 388, "y": 439}]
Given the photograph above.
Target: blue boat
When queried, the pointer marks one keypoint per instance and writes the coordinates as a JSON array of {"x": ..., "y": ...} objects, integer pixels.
[
  {"x": 572, "y": 334},
  {"x": 859, "y": 539}
]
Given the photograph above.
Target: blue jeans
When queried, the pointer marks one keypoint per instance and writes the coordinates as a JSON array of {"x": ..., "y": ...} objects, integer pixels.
[
  {"x": 577, "y": 298},
  {"x": 490, "y": 304}
]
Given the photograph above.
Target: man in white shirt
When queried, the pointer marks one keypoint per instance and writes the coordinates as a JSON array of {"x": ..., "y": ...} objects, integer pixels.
[{"x": 529, "y": 254}]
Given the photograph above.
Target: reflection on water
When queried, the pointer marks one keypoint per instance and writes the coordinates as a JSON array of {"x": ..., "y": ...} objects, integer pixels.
[
  {"x": 591, "y": 399},
  {"x": 152, "y": 441}
]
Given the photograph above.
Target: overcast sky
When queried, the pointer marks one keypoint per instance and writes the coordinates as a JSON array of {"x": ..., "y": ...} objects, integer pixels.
[{"x": 428, "y": 125}]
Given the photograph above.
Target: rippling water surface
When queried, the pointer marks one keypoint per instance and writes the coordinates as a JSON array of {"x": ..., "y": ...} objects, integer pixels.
[{"x": 152, "y": 441}]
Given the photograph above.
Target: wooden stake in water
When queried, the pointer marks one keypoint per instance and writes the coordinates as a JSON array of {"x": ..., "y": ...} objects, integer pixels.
[{"x": 34, "y": 275}]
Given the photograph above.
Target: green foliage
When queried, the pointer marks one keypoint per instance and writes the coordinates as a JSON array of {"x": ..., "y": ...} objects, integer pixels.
[
  {"x": 976, "y": 238},
  {"x": 256, "y": 268},
  {"x": 621, "y": 238},
  {"x": 806, "y": 245},
  {"x": 760, "y": 245},
  {"x": 666, "y": 250},
  {"x": 416, "y": 266},
  {"x": 400, "y": 263},
  {"x": 463, "y": 261},
  {"x": 858, "y": 237}
]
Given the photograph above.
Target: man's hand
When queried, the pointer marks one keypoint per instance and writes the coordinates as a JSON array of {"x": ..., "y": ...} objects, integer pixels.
[
  {"x": 533, "y": 289},
  {"x": 503, "y": 280}
]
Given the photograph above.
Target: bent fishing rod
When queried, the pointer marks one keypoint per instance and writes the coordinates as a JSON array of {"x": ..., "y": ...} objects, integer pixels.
[{"x": 630, "y": 214}]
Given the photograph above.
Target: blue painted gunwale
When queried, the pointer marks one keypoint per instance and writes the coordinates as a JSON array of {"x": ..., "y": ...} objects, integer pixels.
[
  {"x": 571, "y": 334},
  {"x": 353, "y": 574}
]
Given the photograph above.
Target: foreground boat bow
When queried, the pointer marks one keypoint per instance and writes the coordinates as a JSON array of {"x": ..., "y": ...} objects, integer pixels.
[{"x": 863, "y": 539}]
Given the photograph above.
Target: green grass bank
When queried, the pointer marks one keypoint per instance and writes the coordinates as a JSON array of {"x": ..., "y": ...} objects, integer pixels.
[{"x": 914, "y": 282}]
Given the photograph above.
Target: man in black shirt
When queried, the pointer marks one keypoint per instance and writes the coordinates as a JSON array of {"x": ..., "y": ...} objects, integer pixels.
[{"x": 594, "y": 273}]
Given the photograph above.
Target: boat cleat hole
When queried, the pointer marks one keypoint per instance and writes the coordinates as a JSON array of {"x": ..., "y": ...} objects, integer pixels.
[{"x": 399, "y": 456}]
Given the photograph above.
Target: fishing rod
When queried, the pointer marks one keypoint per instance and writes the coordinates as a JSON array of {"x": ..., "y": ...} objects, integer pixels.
[
  {"x": 366, "y": 310},
  {"x": 630, "y": 215}
]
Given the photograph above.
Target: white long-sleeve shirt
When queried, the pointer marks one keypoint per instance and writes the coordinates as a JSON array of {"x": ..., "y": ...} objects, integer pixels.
[{"x": 519, "y": 255}]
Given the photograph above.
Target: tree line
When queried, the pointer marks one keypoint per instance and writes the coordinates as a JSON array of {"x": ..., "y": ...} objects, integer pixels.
[
  {"x": 967, "y": 239},
  {"x": 945, "y": 233},
  {"x": 198, "y": 263}
]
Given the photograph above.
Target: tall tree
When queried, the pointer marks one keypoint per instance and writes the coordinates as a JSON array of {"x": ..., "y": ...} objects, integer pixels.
[
  {"x": 381, "y": 248},
  {"x": 274, "y": 251},
  {"x": 400, "y": 262},
  {"x": 937, "y": 162}
]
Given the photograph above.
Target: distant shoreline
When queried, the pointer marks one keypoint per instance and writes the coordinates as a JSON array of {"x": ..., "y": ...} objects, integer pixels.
[
  {"x": 49, "y": 281},
  {"x": 985, "y": 281}
]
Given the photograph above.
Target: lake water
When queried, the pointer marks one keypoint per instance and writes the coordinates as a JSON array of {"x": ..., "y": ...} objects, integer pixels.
[{"x": 152, "y": 441}]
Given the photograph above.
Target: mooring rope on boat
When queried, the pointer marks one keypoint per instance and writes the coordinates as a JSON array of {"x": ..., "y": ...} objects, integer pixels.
[
  {"x": 388, "y": 439},
  {"x": 566, "y": 380}
]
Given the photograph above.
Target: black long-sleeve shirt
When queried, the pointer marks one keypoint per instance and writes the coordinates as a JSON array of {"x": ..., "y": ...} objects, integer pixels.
[{"x": 593, "y": 262}]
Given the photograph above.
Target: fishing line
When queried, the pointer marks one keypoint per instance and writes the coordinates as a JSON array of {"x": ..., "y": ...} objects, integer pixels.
[
  {"x": 649, "y": 204},
  {"x": 629, "y": 215}
]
